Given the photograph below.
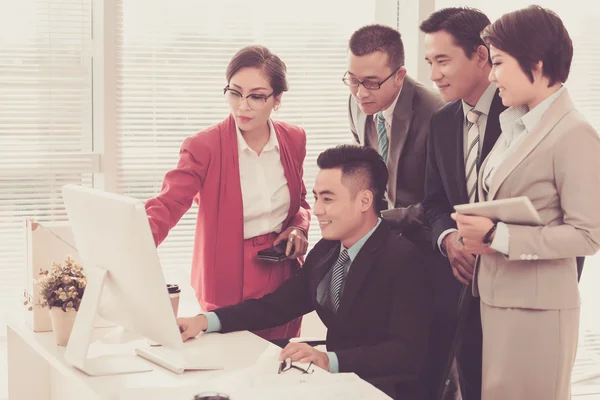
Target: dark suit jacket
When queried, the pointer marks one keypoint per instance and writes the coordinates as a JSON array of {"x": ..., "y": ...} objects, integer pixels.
[
  {"x": 446, "y": 183},
  {"x": 407, "y": 152},
  {"x": 381, "y": 328}
]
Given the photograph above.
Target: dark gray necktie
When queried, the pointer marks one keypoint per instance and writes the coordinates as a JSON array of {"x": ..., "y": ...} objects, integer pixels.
[{"x": 337, "y": 278}]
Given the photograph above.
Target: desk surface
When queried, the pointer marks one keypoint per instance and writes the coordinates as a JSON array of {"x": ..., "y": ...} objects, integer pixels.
[{"x": 236, "y": 351}]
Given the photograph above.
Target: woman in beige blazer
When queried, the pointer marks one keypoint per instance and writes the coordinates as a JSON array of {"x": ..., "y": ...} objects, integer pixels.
[{"x": 526, "y": 276}]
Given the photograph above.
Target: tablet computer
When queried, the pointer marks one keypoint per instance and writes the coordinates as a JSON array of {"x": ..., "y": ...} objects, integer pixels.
[{"x": 516, "y": 210}]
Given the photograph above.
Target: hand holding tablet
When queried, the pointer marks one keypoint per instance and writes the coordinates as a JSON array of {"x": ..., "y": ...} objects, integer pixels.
[{"x": 516, "y": 210}]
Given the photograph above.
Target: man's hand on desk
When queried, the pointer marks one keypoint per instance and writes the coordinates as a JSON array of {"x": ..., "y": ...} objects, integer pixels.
[
  {"x": 191, "y": 327},
  {"x": 304, "y": 353}
]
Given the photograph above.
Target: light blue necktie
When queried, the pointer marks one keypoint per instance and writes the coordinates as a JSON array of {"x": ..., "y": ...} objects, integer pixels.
[
  {"x": 337, "y": 279},
  {"x": 382, "y": 136}
]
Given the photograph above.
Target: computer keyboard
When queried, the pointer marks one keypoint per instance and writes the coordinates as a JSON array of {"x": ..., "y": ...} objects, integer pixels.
[{"x": 177, "y": 360}]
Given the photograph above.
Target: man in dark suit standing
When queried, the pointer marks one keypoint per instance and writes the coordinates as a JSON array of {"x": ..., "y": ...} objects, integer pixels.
[
  {"x": 368, "y": 285},
  {"x": 391, "y": 113},
  {"x": 462, "y": 134}
]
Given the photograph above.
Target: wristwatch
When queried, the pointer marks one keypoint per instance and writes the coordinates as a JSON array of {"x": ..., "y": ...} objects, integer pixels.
[{"x": 487, "y": 239}]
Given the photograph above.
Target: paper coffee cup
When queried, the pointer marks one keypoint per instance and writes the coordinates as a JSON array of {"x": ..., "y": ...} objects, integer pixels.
[{"x": 174, "y": 293}]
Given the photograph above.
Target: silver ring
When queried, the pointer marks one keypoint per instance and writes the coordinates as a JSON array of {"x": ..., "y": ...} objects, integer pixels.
[{"x": 290, "y": 239}]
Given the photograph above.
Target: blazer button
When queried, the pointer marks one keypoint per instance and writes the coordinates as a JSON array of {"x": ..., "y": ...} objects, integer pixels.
[
  {"x": 529, "y": 257},
  {"x": 523, "y": 257}
]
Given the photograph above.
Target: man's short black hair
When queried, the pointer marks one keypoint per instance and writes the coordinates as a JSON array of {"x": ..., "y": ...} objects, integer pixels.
[
  {"x": 465, "y": 24},
  {"x": 359, "y": 163},
  {"x": 371, "y": 38}
]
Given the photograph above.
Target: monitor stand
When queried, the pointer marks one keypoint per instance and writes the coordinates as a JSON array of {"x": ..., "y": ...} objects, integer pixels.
[{"x": 76, "y": 352}]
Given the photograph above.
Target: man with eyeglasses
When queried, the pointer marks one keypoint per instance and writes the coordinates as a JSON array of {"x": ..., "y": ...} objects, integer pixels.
[{"x": 391, "y": 113}]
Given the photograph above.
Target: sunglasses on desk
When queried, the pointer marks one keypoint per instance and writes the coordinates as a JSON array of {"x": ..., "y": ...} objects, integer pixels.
[{"x": 287, "y": 364}]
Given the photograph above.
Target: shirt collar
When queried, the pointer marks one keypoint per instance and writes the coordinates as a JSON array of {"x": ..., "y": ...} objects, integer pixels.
[
  {"x": 356, "y": 247},
  {"x": 388, "y": 113},
  {"x": 534, "y": 116},
  {"x": 483, "y": 104},
  {"x": 521, "y": 115},
  {"x": 271, "y": 144}
]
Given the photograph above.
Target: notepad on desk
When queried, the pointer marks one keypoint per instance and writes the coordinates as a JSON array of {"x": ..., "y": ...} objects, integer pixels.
[{"x": 516, "y": 210}]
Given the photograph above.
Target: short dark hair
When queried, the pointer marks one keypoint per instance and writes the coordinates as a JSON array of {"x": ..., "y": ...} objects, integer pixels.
[
  {"x": 260, "y": 57},
  {"x": 358, "y": 162},
  {"x": 463, "y": 23},
  {"x": 371, "y": 38},
  {"x": 531, "y": 35}
]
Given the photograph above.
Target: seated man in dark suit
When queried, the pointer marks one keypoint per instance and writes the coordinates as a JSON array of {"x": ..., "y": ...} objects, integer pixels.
[{"x": 368, "y": 285}]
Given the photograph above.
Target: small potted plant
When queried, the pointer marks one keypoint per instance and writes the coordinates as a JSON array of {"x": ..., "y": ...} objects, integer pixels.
[{"x": 61, "y": 289}]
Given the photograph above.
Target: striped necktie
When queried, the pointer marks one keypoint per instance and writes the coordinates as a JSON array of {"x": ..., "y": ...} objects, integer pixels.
[
  {"x": 382, "y": 136},
  {"x": 337, "y": 278},
  {"x": 472, "y": 155}
]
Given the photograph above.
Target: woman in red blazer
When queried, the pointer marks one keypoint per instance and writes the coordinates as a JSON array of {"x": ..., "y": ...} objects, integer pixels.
[{"x": 245, "y": 173}]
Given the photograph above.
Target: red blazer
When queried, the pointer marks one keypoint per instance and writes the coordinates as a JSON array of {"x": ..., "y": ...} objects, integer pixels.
[{"x": 208, "y": 172}]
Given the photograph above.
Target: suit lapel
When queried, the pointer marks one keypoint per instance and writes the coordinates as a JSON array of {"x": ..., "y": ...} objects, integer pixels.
[
  {"x": 557, "y": 110},
  {"x": 400, "y": 124},
  {"x": 480, "y": 177},
  {"x": 325, "y": 263},
  {"x": 290, "y": 170},
  {"x": 230, "y": 183},
  {"x": 359, "y": 270},
  {"x": 492, "y": 127},
  {"x": 455, "y": 147},
  {"x": 361, "y": 124}
]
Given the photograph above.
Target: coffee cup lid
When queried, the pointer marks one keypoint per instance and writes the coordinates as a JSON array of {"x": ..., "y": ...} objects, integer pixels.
[{"x": 172, "y": 288}]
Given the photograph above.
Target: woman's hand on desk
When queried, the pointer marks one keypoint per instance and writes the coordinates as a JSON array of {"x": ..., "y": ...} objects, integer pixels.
[
  {"x": 304, "y": 353},
  {"x": 191, "y": 327},
  {"x": 296, "y": 241},
  {"x": 472, "y": 229}
]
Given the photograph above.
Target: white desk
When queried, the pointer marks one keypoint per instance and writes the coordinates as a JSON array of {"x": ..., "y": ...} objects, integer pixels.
[{"x": 37, "y": 370}]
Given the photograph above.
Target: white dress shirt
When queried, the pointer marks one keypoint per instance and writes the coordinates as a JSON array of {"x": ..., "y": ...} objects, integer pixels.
[
  {"x": 265, "y": 193},
  {"x": 516, "y": 123},
  {"x": 483, "y": 107},
  {"x": 388, "y": 115}
]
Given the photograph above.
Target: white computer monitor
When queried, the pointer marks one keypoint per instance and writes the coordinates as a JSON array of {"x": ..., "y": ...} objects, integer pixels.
[{"x": 125, "y": 282}]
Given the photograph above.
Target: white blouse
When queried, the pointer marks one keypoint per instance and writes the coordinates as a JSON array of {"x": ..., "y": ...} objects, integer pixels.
[{"x": 265, "y": 193}]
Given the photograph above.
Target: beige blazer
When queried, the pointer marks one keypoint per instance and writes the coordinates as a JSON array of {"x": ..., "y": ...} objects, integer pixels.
[{"x": 558, "y": 167}]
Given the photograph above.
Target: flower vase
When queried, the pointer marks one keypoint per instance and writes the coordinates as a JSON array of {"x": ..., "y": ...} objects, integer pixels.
[{"x": 62, "y": 324}]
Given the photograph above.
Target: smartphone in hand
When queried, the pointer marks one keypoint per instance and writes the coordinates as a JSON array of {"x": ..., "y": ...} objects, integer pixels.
[{"x": 275, "y": 253}]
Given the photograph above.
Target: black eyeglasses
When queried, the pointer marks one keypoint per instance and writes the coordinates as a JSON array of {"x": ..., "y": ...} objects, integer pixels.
[
  {"x": 255, "y": 101},
  {"x": 286, "y": 365},
  {"x": 370, "y": 85}
]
